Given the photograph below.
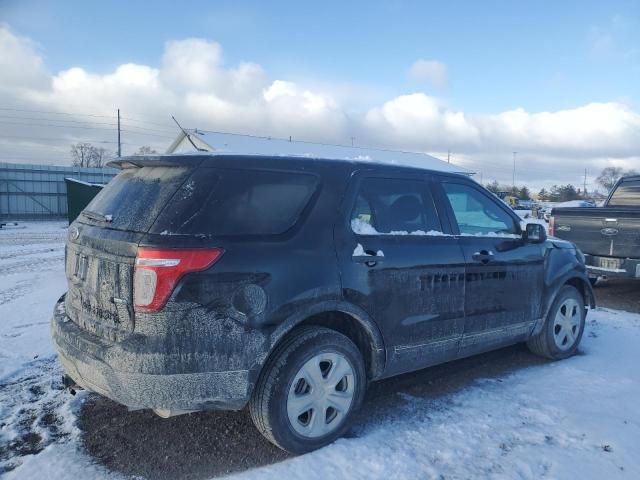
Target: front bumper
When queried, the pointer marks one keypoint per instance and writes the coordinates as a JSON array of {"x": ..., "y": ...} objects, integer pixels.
[
  {"x": 598, "y": 266},
  {"x": 97, "y": 365}
]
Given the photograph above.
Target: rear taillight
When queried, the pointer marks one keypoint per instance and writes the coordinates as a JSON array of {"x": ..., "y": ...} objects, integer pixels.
[
  {"x": 552, "y": 226},
  {"x": 158, "y": 270}
]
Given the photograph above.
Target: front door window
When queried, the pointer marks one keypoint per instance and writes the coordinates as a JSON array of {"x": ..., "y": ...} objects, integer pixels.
[{"x": 475, "y": 213}]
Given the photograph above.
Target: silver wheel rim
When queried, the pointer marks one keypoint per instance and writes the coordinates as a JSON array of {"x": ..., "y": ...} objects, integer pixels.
[
  {"x": 321, "y": 394},
  {"x": 566, "y": 325}
]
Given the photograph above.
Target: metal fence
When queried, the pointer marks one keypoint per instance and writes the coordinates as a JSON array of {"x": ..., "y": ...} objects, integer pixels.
[{"x": 39, "y": 191}]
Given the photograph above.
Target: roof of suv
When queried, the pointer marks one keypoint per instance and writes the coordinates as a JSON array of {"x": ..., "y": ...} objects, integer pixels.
[{"x": 257, "y": 161}]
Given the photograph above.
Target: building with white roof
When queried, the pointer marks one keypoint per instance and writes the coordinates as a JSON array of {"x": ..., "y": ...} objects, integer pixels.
[{"x": 190, "y": 141}]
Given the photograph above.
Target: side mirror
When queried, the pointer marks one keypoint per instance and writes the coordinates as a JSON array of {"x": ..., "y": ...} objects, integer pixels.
[{"x": 535, "y": 233}]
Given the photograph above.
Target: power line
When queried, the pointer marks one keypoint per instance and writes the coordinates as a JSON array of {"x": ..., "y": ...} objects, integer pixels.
[
  {"x": 51, "y": 125},
  {"x": 56, "y": 139},
  {"x": 148, "y": 122},
  {"x": 19, "y": 117},
  {"x": 147, "y": 134},
  {"x": 147, "y": 129},
  {"x": 29, "y": 124},
  {"x": 49, "y": 112}
]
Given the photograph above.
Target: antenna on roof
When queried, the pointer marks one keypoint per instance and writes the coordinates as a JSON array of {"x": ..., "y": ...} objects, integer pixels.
[{"x": 187, "y": 135}]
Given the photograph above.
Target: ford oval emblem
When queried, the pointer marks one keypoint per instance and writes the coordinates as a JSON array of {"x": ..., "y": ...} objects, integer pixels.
[
  {"x": 609, "y": 232},
  {"x": 74, "y": 233}
]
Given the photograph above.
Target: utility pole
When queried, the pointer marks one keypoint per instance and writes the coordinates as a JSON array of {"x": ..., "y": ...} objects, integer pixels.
[
  {"x": 448, "y": 155},
  {"x": 584, "y": 191},
  {"x": 352, "y": 140},
  {"x": 119, "y": 144},
  {"x": 513, "y": 178}
]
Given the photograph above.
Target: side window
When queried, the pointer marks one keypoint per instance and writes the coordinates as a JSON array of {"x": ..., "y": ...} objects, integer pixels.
[
  {"x": 475, "y": 213},
  {"x": 393, "y": 207},
  {"x": 238, "y": 202},
  {"x": 627, "y": 194}
]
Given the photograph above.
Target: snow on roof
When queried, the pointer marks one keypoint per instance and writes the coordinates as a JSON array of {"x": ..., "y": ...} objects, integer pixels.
[{"x": 252, "y": 145}]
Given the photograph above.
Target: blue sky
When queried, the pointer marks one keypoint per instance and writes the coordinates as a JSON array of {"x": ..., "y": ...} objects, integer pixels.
[
  {"x": 556, "y": 81},
  {"x": 544, "y": 55}
]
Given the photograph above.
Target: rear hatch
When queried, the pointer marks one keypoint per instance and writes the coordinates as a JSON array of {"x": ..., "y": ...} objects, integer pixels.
[
  {"x": 606, "y": 231},
  {"x": 103, "y": 242}
]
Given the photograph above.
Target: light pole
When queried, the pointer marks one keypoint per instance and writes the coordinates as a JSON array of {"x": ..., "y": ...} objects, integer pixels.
[{"x": 513, "y": 178}]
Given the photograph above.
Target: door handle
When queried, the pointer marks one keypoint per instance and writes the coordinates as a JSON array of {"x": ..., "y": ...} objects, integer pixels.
[
  {"x": 483, "y": 256},
  {"x": 369, "y": 258}
]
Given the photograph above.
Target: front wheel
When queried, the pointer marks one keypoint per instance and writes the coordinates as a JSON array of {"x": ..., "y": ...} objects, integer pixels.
[
  {"x": 563, "y": 328},
  {"x": 309, "y": 390}
]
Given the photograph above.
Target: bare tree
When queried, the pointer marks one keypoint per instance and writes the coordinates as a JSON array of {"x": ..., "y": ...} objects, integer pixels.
[
  {"x": 81, "y": 154},
  {"x": 610, "y": 175},
  {"x": 100, "y": 157},
  {"x": 146, "y": 150},
  {"x": 86, "y": 155}
]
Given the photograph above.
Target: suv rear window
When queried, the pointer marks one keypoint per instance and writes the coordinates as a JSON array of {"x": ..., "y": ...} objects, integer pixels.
[
  {"x": 237, "y": 202},
  {"x": 134, "y": 198}
]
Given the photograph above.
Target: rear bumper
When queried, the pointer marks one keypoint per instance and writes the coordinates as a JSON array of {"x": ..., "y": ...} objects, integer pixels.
[
  {"x": 88, "y": 360},
  {"x": 598, "y": 266}
]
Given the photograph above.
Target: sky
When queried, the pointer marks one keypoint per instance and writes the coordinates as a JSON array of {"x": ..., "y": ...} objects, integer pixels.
[{"x": 558, "y": 82}]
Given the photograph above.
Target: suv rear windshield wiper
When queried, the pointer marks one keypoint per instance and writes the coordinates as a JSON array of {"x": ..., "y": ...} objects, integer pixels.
[{"x": 101, "y": 217}]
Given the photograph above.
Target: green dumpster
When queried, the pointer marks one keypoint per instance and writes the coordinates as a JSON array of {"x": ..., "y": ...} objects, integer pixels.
[{"x": 79, "y": 194}]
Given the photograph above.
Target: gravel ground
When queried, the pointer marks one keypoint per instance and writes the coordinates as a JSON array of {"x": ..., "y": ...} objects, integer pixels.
[
  {"x": 619, "y": 294},
  {"x": 205, "y": 445}
]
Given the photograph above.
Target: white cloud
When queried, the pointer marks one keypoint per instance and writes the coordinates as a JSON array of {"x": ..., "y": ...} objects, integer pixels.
[
  {"x": 429, "y": 71},
  {"x": 20, "y": 64},
  {"x": 193, "y": 83}
]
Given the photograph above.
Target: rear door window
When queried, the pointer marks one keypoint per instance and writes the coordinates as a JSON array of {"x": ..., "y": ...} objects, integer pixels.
[
  {"x": 393, "y": 207},
  {"x": 627, "y": 194},
  {"x": 238, "y": 202}
]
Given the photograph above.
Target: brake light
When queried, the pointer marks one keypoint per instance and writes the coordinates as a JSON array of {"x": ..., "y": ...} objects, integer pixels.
[
  {"x": 552, "y": 226},
  {"x": 158, "y": 270}
]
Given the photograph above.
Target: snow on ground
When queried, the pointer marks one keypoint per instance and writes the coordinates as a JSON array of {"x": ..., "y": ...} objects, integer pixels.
[
  {"x": 31, "y": 279},
  {"x": 572, "y": 419},
  {"x": 576, "y": 418}
]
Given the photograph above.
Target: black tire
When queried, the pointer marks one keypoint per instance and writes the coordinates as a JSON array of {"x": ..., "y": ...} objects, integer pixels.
[
  {"x": 268, "y": 404},
  {"x": 544, "y": 343}
]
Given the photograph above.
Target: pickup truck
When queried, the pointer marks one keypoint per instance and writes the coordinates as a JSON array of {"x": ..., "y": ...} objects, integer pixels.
[{"x": 609, "y": 236}]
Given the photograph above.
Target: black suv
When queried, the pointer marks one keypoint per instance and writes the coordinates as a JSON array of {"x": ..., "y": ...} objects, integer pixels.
[{"x": 287, "y": 284}]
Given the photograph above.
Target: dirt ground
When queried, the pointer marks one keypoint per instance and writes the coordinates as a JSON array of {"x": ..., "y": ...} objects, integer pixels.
[
  {"x": 619, "y": 294},
  {"x": 205, "y": 445}
]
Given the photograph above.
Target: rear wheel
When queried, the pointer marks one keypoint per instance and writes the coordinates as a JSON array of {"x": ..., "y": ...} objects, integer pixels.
[
  {"x": 309, "y": 390},
  {"x": 563, "y": 328}
]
